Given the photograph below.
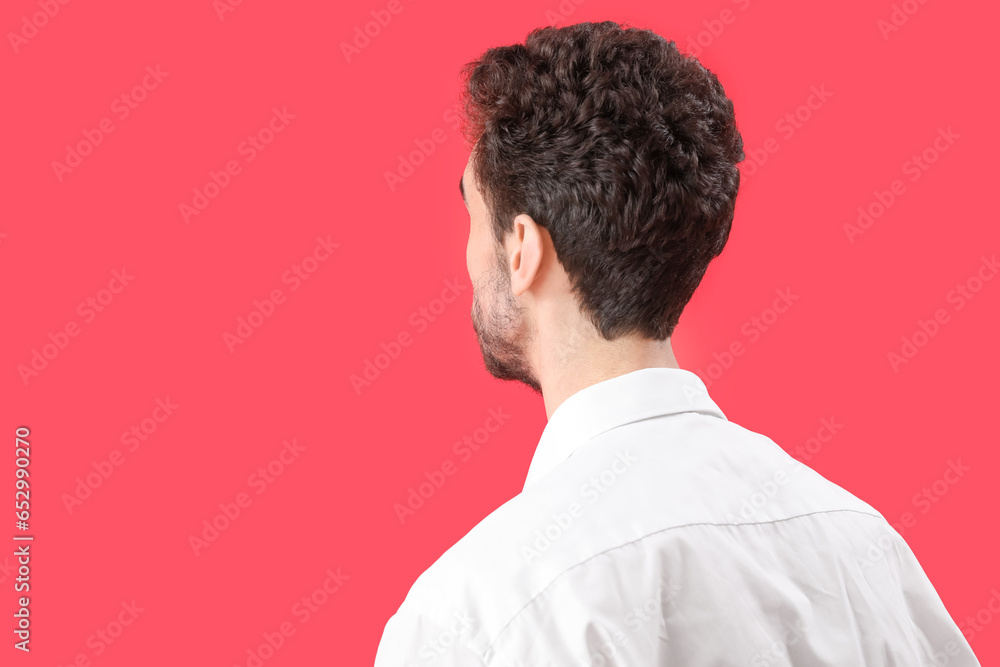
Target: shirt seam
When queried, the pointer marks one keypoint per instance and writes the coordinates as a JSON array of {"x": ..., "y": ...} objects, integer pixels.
[{"x": 489, "y": 647}]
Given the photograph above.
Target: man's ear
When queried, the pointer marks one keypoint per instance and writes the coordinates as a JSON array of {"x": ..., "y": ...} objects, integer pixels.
[{"x": 526, "y": 248}]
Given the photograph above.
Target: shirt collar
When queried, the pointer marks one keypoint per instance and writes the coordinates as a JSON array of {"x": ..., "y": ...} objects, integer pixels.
[{"x": 640, "y": 394}]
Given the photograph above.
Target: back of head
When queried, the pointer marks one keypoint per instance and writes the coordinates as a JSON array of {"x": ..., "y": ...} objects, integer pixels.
[{"x": 623, "y": 149}]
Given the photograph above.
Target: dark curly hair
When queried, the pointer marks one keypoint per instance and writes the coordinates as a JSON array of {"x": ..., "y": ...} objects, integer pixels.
[{"x": 619, "y": 145}]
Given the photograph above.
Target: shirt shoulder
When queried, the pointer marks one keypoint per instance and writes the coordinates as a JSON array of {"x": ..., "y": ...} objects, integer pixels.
[{"x": 619, "y": 521}]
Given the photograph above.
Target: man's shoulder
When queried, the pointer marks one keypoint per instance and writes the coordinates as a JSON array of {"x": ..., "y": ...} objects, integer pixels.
[
  {"x": 473, "y": 590},
  {"x": 619, "y": 488},
  {"x": 485, "y": 564},
  {"x": 622, "y": 488}
]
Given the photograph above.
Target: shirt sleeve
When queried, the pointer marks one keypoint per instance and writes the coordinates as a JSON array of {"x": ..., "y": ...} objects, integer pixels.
[{"x": 940, "y": 638}]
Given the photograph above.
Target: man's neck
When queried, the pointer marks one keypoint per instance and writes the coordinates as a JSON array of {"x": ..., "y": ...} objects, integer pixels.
[{"x": 583, "y": 360}]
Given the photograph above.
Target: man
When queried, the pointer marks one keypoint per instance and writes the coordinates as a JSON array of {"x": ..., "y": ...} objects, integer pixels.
[{"x": 651, "y": 530}]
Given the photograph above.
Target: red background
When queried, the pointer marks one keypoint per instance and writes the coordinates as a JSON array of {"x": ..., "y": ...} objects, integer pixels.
[{"x": 324, "y": 175}]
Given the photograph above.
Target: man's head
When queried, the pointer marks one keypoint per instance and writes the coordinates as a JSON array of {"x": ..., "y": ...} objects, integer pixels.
[{"x": 601, "y": 183}]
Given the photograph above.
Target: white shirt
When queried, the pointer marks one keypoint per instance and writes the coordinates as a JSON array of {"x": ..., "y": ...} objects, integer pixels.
[{"x": 653, "y": 531}]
